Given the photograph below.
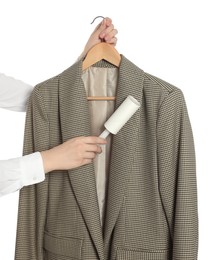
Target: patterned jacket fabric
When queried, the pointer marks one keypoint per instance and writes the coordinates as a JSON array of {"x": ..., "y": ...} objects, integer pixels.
[{"x": 151, "y": 209}]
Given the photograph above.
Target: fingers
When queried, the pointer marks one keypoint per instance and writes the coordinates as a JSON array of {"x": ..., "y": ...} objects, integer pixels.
[
  {"x": 93, "y": 148},
  {"x": 108, "y": 21},
  {"x": 109, "y": 34},
  {"x": 92, "y": 151},
  {"x": 89, "y": 155},
  {"x": 94, "y": 140},
  {"x": 112, "y": 41},
  {"x": 106, "y": 31},
  {"x": 110, "y": 37},
  {"x": 86, "y": 161}
]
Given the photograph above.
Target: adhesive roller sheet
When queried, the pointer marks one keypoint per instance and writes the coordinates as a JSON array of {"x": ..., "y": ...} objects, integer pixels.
[{"x": 119, "y": 118}]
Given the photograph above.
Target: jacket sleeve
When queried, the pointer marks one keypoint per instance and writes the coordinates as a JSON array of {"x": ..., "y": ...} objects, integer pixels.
[
  {"x": 177, "y": 175},
  {"x": 33, "y": 199}
]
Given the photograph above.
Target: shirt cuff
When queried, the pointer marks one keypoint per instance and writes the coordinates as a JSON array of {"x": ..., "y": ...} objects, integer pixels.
[{"x": 32, "y": 169}]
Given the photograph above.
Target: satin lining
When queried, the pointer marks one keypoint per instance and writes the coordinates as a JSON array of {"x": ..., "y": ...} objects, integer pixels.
[{"x": 101, "y": 82}]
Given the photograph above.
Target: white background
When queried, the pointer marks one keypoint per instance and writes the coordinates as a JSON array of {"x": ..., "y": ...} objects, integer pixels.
[{"x": 169, "y": 39}]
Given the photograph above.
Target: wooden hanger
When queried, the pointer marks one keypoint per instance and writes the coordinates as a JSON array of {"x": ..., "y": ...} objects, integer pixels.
[{"x": 101, "y": 51}]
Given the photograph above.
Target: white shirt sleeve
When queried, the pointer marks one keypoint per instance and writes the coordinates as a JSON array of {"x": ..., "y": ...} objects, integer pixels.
[
  {"x": 18, "y": 172},
  {"x": 13, "y": 93}
]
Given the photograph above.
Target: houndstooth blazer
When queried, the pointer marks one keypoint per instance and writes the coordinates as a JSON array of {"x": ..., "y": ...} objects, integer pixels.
[{"x": 151, "y": 210}]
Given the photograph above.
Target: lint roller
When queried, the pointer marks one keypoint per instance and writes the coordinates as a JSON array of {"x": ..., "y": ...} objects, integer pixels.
[{"x": 119, "y": 118}]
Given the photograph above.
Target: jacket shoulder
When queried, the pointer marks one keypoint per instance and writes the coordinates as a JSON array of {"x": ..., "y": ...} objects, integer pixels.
[
  {"x": 163, "y": 85},
  {"x": 49, "y": 84},
  {"x": 156, "y": 91}
]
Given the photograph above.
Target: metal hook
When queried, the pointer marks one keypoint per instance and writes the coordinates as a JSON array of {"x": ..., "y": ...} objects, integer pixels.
[{"x": 96, "y": 18}]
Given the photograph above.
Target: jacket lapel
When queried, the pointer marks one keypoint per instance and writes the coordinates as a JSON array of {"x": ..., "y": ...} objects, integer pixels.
[
  {"x": 130, "y": 82},
  {"x": 75, "y": 121}
]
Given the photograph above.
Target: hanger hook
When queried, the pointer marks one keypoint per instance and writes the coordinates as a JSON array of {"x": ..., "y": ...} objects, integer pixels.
[{"x": 96, "y": 18}]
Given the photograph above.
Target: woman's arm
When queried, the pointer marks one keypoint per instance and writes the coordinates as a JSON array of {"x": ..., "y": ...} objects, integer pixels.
[
  {"x": 13, "y": 93},
  {"x": 31, "y": 169}
]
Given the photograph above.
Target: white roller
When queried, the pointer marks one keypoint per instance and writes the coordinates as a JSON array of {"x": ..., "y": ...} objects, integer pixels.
[{"x": 119, "y": 118}]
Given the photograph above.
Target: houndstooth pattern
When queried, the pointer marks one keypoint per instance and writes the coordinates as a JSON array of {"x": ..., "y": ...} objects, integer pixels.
[{"x": 151, "y": 211}]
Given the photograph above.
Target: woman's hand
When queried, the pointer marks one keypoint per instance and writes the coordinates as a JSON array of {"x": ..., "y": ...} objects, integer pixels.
[
  {"x": 105, "y": 31},
  {"x": 73, "y": 153}
]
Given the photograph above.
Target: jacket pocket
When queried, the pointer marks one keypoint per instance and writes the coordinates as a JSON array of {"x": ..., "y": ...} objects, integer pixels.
[
  {"x": 132, "y": 254},
  {"x": 71, "y": 247}
]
